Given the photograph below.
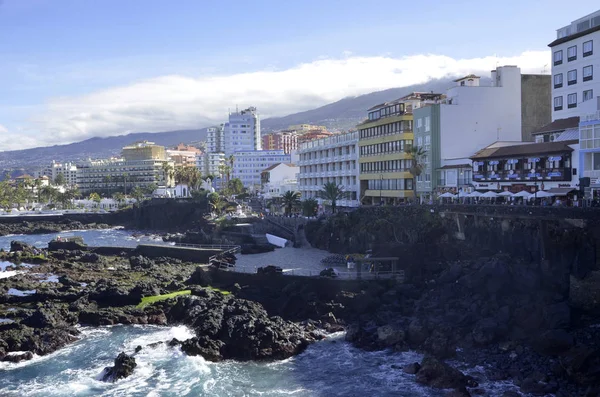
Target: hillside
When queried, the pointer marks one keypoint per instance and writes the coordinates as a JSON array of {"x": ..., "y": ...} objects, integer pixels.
[
  {"x": 28, "y": 159},
  {"x": 341, "y": 115},
  {"x": 346, "y": 113}
]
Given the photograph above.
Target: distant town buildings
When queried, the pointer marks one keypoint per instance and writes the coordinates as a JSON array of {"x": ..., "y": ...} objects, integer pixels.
[
  {"x": 142, "y": 165},
  {"x": 283, "y": 140},
  {"x": 210, "y": 164},
  {"x": 332, "y": 159},
  {"x": 278, "y": 179},
  {"x": 183, "y": 155},
  {"x": 242, "y": 132},
  {"x": 248, "y": 165},
  {"x": 68, "y": 170},
  {"x": 215, "y": 140}
]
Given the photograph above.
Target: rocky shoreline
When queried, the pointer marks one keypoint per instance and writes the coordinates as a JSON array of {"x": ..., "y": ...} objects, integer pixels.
[
  {"x": 42, "y": 306},
  {"x": 43, "y": 227},
  {"x": 503, "y": 314}
]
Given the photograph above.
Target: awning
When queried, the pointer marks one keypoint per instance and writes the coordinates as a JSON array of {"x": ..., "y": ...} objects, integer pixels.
[{"x": 561, "y": 191}]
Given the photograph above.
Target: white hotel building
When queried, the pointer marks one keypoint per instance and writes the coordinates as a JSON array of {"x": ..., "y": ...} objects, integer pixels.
[
  {"x": 248, "y": 165},
  {"x": 332, "y": 159},
  {"x": 575, "y": 66},
  {"x": 242, "y": 132}
]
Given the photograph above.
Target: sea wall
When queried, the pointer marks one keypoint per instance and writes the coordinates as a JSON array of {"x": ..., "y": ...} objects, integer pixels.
[{"x": 185, "y": 254}]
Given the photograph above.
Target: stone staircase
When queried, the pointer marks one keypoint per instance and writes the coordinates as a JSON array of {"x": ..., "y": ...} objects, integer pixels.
[{"x": 256, "y": 206}]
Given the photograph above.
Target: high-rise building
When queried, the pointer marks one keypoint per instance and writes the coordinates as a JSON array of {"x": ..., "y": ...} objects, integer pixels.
[
  {"x": 209, "y": 164},
  {"x": 576, "y": 66},
  {"x": 242, "y": 132},
  {"x": 214, "y": 138}
]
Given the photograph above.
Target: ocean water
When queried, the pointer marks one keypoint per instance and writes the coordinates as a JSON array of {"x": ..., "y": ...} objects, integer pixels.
[
  {"x": 328, "y": 368},
  {"x": 103, "y": 237}
]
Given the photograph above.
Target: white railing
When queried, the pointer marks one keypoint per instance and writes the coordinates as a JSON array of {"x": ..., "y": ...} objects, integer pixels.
[
  {"x": 591, "y": 116},
  {"x": 340, "y": 275}
]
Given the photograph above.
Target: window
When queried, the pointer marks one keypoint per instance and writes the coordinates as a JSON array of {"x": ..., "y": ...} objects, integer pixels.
[
  {"x": 572, "y": 77},
  {"x": 419, "y": 123},
  {"x": 558, "y": 103},
  {"x": 588, "y": 73},
  {"x": 572, "y": 53},
  {"x": 587, "y": 95},
  {"x": 427, "y": 124},
  {"x": 558, "y": 80},
  {"x": 588, "y": 48},
  {"x": 558, "y": 57},
  {"x": 572, "y": 100}
]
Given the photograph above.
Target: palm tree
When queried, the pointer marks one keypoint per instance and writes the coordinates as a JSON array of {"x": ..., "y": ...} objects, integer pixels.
[
  {"x": 167, "y": 173},
  {"x": 332, "y": 192},
  {"x": 215, "y": 201},
  {"x": 48, "y": 193},
  {"x": 37, "y": 185},
  {"x": 290, "y": 200},
  {"x": 119, "y": 198},
  {"x": 416, "y": 154},
  {"x": 309, "y": 207}
]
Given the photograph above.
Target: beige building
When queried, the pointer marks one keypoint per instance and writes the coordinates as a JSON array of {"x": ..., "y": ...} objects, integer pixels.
[
  {"x": 142, "y": 165},
  {"x": 143, "y": 150}
]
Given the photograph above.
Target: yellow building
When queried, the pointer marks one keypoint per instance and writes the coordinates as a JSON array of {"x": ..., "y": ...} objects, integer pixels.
[
  {"x": 144, "y": 151},
  {"x": 383, "y": 139}
]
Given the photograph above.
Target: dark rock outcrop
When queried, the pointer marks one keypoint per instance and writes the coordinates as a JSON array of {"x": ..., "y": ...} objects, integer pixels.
[{"x": 124, "y": 366}]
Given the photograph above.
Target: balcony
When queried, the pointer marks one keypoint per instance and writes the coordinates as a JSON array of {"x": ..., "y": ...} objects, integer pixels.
[
  {"x": 551, "y": 174},
  {"x": 591, "y": 117}
]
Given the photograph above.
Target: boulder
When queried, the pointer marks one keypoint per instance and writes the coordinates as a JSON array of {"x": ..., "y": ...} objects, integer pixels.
[
  {"x": 200, "y": 277},
  {"x": 417, "y": 333},
  {"x": 582, "y": 364},
  {"x": 437, "y": 374},
  {"x": 124, "y": 366},
  {"x": 140, "y": 262},
  {"x": 17, "y": 358},
  {"x": 557, "y": 315},
  {"x": 552, "y": 342},
  {"x": 485, "y": 332},
  {"x": 411, "y": 369},
  {"x": 389, "y": 335},
  {"x": 90, "y": 258},
  {"x": 19, "y": 246}
]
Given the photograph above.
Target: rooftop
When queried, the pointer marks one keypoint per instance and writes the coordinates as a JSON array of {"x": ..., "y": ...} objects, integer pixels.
[
  {"x": 559, "y": 125},
  {"x": 529, "y": 149},
  {"x": 277, "y": 165},
  {"x": 470, "y": 76}
]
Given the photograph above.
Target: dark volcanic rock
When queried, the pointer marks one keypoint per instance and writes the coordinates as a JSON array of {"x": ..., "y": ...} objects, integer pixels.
[
  {"x": 412, "y": 369},
  {"x": 229, "y": 328},
  {"x": 19, "y": 246},
  {"x": 124, "y": 366},
  {"x": 16, "y": 358},
  {"x": 437, "y": 374}
]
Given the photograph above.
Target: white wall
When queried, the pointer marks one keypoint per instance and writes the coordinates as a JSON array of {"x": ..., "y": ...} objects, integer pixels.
[
  {"x": 479, "y": 116},
  {"x": 242, "y": 132},
  {"x": 249, "y": 165}
]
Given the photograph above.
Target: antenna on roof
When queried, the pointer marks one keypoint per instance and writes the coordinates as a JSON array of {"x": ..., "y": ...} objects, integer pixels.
[
  {"x": 236, "y": 108},
  {"x": 544, "y": 69}
]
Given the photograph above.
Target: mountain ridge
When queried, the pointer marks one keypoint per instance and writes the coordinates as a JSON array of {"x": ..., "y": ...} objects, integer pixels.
[{"x": 343, "y": 114}]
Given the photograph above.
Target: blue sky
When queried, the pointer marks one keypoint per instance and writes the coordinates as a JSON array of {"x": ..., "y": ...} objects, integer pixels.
[{"x": 72, "y": 69}]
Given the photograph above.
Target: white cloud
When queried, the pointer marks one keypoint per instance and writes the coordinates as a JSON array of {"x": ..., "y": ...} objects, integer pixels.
[
  {"x": 179, "y": 102},
  {"x": 15, "y": 141}
]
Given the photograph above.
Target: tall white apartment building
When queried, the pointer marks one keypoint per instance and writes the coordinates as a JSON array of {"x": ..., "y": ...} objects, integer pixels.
[
  {"x": 209, "y": 163},
  {"x": 68, "y": 170},
  {"x": 248, "y": 165},
  {"x": 242, "y": 132},
  {"x": 333, "y": 159},
  {"x": 576, "y": 66},
  {"x": 214, "y": 139}
]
